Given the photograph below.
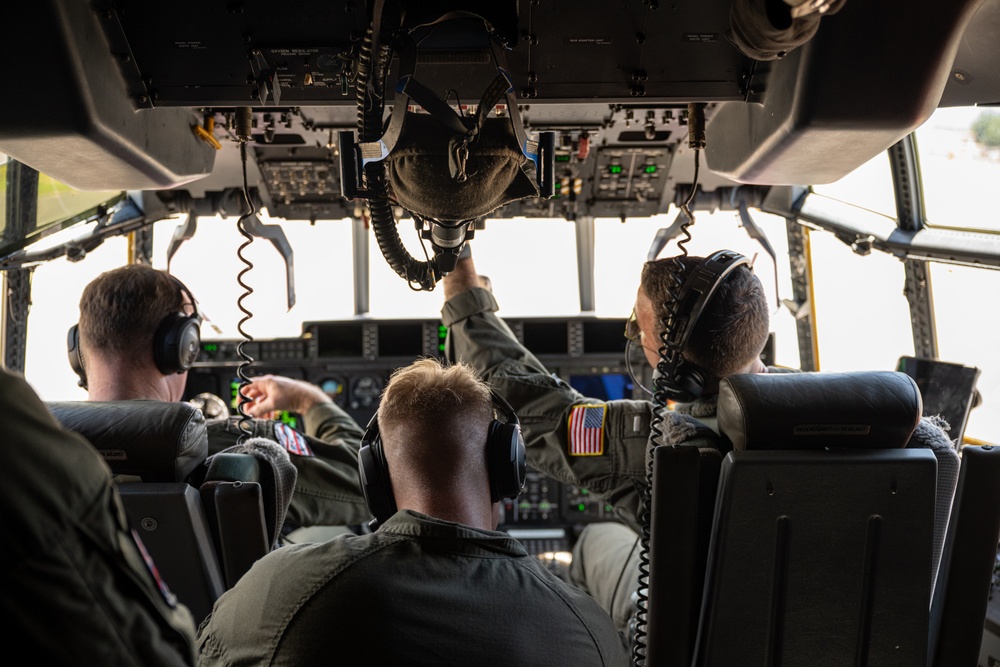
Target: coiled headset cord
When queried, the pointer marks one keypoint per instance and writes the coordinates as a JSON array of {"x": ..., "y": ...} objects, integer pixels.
[
  {"x": 374, "y": 60},
  {"x": 244, "y": 125},
  {"x": 669, "y": 351}
]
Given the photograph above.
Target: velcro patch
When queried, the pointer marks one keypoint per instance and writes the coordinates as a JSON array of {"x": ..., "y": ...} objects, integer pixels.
[
  {"x": 586, "y": 430},
  {"x": 292, "y": 440}
]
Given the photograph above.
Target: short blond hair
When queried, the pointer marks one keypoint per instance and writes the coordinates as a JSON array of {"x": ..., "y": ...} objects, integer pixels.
[{"x": 429, "y": 390}]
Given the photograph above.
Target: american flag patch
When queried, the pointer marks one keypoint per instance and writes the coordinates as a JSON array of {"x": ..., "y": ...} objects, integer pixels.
[
  {"x": 586, "y": 430},
  {"x": 292, "y": 440}
]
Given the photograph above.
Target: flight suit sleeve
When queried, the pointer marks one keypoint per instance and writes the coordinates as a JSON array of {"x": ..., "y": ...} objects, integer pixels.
[
  {"x": 545, "y": 405},
  {"x": 76, "y": 587},
  {"x": 328, "y": 485},
  {"x": 328, "y": 489}
]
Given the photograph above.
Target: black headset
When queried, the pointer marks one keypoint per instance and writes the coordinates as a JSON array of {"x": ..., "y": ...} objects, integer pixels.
[
  {"x": 684, "y": 381},
  {"x": 505, "y": 457},
  {"x": 176, "y": 343}
]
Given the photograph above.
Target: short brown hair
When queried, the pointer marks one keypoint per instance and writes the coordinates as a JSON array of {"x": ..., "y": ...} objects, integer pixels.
[
  {"x": 121, "y": 309},
  {"x": 733, "y": 328}
]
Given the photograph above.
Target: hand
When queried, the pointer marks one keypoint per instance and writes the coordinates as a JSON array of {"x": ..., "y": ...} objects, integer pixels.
[
  {"x": 271, "y": 393},
  {"x": 463, "y": 278}
]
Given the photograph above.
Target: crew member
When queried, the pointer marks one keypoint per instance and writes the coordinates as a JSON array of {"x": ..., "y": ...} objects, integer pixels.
[
  {"x": 602, "y": 445},
  {"x": 138, "y": 334},
  {"x": 435, "y": 584},
  {"x": 76, "y": 588}
]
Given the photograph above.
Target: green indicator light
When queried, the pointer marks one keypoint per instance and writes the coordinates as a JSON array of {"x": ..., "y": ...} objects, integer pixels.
[
  {"x": 584, "y": 492},
  {"x": 286, "y": 417},
  {"x": 650, "y": 168},
  {"x": 441, "y": 347},
  {"x": 562, "y": 158},
  {"x": 210, "y": 347},
  {"x": 615, "y": 168},
  {"x": 582, "y": 507}
]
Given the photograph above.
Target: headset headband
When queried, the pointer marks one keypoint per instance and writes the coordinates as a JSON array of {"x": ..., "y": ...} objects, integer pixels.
[
  {"x": 194, "y": 302},
  {"x": 704, "y": 281}
]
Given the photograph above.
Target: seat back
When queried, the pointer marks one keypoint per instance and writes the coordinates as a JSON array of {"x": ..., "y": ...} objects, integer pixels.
[
  {"x": 964, "y": 584},
  {"x": 234, "y": 504},
  {"x": 682, "y": 477},
  {"x": 202, "y": 531},
  {"x": 169, "y": 519},
  {"x": 821, "y": 549}
]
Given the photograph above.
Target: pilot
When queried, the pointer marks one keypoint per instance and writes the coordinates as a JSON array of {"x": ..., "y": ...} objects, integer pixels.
[
  {"x": 435, "y": 583},
  {"x": 601, "y": 445},
  {"x": 128, "y": 318},
  {"x": 75, "y": 588}
]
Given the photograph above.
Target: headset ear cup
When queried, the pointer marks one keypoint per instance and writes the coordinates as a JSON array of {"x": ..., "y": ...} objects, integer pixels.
[
  {"x": 506, "y": 456},
  {"x": 177, "y": 343},
  {"x": 374, "y": 470},
  {"x": 687, "y": 384},
  {"x": 75, "y": 355}
]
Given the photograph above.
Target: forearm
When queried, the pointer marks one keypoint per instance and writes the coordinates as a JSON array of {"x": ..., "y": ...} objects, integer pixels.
[{"x": 462, "y": 279}]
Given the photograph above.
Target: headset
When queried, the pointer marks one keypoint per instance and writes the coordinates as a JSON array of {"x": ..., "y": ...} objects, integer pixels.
[
  {"x": 682, "y": 380},
  {"x": 505, "y": 457},
  {"x": 176, "y": 343}
]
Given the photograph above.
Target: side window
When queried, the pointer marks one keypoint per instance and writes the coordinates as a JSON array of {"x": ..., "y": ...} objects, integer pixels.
[
  {"x": 959, "y": 150},
  {"x": 869, "y": 186},
  {"x": 967, "y": 335},
  {"x": 862, "y": 316}
]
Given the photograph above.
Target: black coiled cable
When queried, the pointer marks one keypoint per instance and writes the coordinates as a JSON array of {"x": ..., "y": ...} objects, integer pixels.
[
  {"x": 247, "y": 360},
  {"x": 668, "y": 351},
  {"x": 371, "y": 105}
]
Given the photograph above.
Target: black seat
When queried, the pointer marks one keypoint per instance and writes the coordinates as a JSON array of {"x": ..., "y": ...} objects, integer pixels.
[
  {"x": 829, "y": 519},
  {"x": 203, "y": 524},
  {"x": 822, "y": 547}
]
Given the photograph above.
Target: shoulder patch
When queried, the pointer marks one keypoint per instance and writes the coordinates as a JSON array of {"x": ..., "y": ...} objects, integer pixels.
[
  {"x": 161, "y": 585},
  {"x": 586, "y": 430},
  {"x": 292, "y": 440}
]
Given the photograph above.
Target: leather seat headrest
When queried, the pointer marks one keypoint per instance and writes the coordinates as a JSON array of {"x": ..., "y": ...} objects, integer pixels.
[
  {"x": 855, "y": 410},
  {"x": 157, "y": 441}
]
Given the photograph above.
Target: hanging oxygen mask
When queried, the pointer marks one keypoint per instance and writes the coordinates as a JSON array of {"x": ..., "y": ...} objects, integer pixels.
[{"x": 448, "y": 170}]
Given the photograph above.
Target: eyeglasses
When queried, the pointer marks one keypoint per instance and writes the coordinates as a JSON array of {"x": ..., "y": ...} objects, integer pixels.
[{"x": 632, "y": 330}]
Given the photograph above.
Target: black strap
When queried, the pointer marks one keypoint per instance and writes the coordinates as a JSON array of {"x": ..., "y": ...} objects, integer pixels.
[{"x": 408, "y": 88}]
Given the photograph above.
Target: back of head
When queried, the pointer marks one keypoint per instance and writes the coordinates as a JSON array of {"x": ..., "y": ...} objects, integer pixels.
[
  {"x": 434, "y": 421},
  {"x": 733, "y": 328},
  {"x": 121, "y": 309}
]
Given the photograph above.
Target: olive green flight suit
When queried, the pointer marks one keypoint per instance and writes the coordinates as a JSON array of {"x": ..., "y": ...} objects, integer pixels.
[
  {"x": 75, "y": 588},
  {"x": 417, "y": 591},
  {"x": 544, "y": 405},
  {"x": 605, "y": 559},
  {"x": 328, "y": 487}
]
